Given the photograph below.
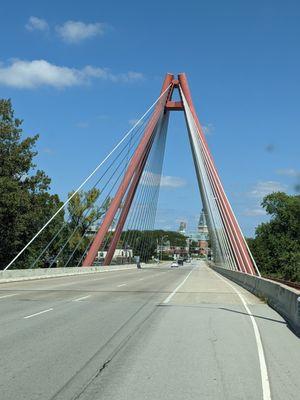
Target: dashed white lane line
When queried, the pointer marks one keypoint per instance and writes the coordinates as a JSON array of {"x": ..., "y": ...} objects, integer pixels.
[
  {"x": 8, "y": 295},
  {"x": 82, "y": 298},
  {"x": 38, "y": 313},
  {"x": 261, "y": 355},
  {"x": 141, "y": 279},
  {"x": 123, "y": 284},
  {"x": 176, "y": 289}
]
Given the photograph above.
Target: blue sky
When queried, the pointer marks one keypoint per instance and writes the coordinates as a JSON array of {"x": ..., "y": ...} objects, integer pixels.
[{"x": 79, "y": 72}]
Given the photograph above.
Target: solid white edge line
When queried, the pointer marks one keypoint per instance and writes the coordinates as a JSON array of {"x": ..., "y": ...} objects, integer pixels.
[
  {"x": 38, "y": 313},
  {"x": 82, "y": 298},
  {"x": 176, "y": 289},
  {"x": 8, "y": 295},
  {"x": 261, "y": 355}
]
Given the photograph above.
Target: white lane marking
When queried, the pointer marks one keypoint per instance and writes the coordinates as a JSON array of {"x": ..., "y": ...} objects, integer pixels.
[
  {"x": 123, "y": 284},
  {"x": 82, "y": 298},
  {"x": 261, "y": 355},
  {"x": 141, "y": 279},
  {"x": 178, "y": 287},
  {"x": 8, "y": 295},
  {"x": 38, "y": 313}
]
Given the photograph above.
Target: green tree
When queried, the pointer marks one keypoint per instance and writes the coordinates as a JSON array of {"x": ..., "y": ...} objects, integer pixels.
[
  {"x": 84, "y": 213},
  {"x": 25, "y": 201},
  {"x": 276, "y": 246},
  {"x": 144, "y": 243}
]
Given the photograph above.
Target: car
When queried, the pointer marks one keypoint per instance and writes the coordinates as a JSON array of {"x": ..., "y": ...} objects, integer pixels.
[{"x": 174, "y": 264}]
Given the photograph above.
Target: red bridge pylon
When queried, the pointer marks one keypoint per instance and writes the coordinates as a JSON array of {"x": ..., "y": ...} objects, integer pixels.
[{"x": 230, "y": 247}]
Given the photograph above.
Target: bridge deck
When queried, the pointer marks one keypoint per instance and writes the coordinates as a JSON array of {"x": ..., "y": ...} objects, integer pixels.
[{"x": 198, "y": 343}]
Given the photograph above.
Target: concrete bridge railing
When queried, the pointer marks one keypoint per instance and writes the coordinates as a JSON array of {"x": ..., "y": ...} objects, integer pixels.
[
  {"x": 285, "y": 300},
  {"x": 12, "y": 275},
  {"x": 40, "y": 273}
]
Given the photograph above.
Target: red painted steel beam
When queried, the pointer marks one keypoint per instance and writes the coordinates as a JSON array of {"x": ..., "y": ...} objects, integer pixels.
[
  {"x": 135, "y": 160},
  {"x": 174, "y": 105},
  {"x": 127, "y": 205},
  {"x": 243, "y": 251}
]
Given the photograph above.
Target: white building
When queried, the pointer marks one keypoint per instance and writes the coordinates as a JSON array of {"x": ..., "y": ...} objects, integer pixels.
[{"x": 119, "y": 254}]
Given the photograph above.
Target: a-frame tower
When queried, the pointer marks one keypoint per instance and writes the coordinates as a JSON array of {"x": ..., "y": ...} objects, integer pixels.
[{"x": 228, "y": 242}]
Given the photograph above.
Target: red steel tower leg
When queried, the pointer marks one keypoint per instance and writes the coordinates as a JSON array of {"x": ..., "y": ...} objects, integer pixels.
[
  {"x": 126, "y": 207},
  {"x": 135, "y": 160}
]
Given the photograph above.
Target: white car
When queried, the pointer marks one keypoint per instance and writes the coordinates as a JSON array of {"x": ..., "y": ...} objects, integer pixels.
[{"x": 174, "y": 264}]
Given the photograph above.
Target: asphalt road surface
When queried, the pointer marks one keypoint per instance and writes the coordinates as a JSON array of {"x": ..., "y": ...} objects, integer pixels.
[{"x": 156, "y": 333}]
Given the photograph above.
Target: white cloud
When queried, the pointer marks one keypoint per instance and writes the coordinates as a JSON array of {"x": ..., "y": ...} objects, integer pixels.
[
  {"x": 48, "y": 150},
  {"x": 172, "y": 181},
  {"x": 82, "y": 124},
  {"x": 133, "y": 121},
  {"x": 261, "y": 189},
  {"x": 152, "y": 179},
  {"x": 288, "y": 172},
  {"x": 32, "y": 74},
  {"x": 36, "y": 24},
  {"x": 77, "y": 31},
  {"x": 254, "y": 212},
  {"x": 208, "y": 128}
]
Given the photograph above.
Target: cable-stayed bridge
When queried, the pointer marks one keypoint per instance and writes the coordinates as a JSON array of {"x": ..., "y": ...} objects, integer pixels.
[{"x": 150, "y": 333}]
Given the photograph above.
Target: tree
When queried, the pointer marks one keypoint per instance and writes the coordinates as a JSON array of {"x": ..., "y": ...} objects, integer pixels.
[
  {"x": 83, "y": 216},
  {"x": 144, "y": 243},
  {"x": 25, "y": 201},
  {"x": 276, "y": 246},
  {"x": 194, "y": 247}
]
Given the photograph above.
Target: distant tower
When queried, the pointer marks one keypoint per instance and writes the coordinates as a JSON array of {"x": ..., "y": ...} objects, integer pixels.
[
  {"x": 182, "y": 227},
  {"x": 203, "y": 234},
  {"x": 202, "y": 225}
]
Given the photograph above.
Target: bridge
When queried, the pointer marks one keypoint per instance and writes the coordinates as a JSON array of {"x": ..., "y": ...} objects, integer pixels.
[{"x": 94, "y": 329}]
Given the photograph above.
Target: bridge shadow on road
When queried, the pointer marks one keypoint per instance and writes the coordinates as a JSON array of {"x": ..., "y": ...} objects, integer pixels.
[
  {"x": 254, "y": 315},
  {"x": 225, "y": 309}
]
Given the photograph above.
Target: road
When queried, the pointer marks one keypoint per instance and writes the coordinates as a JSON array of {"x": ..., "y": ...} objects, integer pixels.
[{"x": 156, "y": 333}]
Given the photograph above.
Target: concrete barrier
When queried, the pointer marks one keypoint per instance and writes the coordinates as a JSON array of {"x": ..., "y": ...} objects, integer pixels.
[
  {"x": 40, "y": 273},
  {"x": 285, "y": 300},
  {"x": 14, "y": 275}
]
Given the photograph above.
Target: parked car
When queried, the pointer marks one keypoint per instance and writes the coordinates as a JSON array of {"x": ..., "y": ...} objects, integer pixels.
[{"x": 174, "y": 264}]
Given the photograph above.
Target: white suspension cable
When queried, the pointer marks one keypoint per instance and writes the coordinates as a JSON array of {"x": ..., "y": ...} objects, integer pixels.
[
  {"x": 204, "y": 180},
  {"x": 230, "y": 208},
  {"x": 87, "y": 179},
  {"x": 210, "y": 197}
]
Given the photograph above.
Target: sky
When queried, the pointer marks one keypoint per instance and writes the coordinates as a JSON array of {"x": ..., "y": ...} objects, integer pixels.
[{"x": 79, "y": 73}]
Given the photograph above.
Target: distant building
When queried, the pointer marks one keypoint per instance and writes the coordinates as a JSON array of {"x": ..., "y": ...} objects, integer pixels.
[
  {"x": 202, "y": 225},
  {"x": 120, "y": 256},
  {"x": 201, "y": 236},
  {"x": 182, "y": 228}
]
